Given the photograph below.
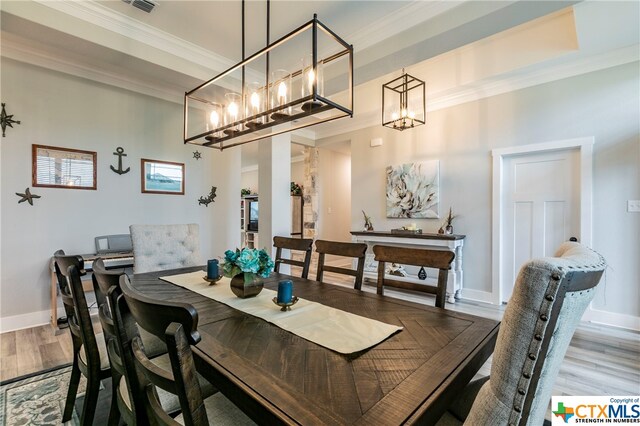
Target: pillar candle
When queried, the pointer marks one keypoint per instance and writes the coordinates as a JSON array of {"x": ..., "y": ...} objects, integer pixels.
[
  {"x": 212, "y": 269},
  {"x": 285, "y": 291}
]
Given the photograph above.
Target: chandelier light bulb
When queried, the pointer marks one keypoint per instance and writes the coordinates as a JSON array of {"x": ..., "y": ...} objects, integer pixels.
[
  {"x": 255, "y": 101},
  {"x": 394, "y": 116},
  {"x": 282, "y": 92},
  {"x": 233, "y": 110},
  {"x": 412, "y": 115},
  {"x": 214, "y": 118}
]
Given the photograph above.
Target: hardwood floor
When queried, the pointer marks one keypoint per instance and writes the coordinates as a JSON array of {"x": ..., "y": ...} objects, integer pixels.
[{"x": 601, "y": 360}]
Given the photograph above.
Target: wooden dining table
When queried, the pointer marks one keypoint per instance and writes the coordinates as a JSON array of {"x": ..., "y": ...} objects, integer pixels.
[{"x": 277, "y": 377}]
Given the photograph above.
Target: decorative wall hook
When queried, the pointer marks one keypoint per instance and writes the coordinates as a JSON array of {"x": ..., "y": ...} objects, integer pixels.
[
  {"x": 6, "y": 120},
  {"x": 204, "y": 201},
  {"x": 27, "y": 196},
  {"x": 120, "y": 153}
]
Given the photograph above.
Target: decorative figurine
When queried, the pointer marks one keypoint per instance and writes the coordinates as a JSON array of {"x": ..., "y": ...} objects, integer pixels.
[
  {"x": 120, "y": 153},
  {"x": 368, "y": 226},
  {"x": 204, "y": 201},
  {"x": 397, "y": 270},
  {"x": 447, "y": 226},
  {"x": 6, "y": 120},
  {"x": 27, "y": 196}
]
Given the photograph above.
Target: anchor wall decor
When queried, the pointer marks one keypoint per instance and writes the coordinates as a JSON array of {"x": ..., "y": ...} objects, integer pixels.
[
  {"x": 6, "y": 120},
  {"x": 120, "y": 153}
]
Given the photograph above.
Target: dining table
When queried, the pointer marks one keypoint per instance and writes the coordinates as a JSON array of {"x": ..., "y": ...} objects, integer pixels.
[{"x": 277, "y": 377}]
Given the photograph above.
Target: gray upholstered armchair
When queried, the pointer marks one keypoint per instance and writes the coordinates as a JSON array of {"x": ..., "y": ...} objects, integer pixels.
[
  {"x": 549, "y": 298},
  {"x": 160, "y": 247}
]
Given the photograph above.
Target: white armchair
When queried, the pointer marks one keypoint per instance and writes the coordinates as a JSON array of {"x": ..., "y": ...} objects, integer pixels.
[{"x": 160, "y": 247}]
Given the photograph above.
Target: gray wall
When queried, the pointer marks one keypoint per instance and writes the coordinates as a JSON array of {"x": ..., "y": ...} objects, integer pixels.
[
  {"x": 61, "y": 110},
  {"x": 602, "y": 104}
]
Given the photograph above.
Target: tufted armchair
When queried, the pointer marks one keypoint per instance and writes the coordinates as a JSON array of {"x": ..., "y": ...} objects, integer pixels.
[
  {"x": 160, "y": 247},
  {"x": 549, "y": 298}
]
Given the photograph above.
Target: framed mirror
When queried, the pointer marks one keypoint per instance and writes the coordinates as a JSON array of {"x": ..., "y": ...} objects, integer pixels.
[
  {"x": 162, "y": 177},
  {"x": 55, "y": 167}
]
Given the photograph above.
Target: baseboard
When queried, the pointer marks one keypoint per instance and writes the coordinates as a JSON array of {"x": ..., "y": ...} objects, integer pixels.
[
  {"x": 476, "y": 295},
  {"x": 18, "y": 322},
  {"x": 614, "y": 319}
]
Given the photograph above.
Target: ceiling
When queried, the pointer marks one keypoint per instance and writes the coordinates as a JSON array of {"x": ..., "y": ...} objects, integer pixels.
[{"x": 180, "y": 44}]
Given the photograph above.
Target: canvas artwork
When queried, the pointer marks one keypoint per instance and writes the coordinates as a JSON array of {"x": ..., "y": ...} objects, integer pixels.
[{"x": 413, "y": 190}]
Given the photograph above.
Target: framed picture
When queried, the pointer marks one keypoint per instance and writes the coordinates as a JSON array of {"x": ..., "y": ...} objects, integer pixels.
[
  {"x": 413, "y": 190},
  {"x": 55, "y": 167},
  {"x": 162, "y": 177}
]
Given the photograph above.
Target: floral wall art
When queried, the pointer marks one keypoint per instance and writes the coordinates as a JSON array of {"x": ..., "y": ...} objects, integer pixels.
[{"x": 413, "y": 190}]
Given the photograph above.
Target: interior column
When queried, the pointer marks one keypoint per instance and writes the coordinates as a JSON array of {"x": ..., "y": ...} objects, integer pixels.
[{"x": 274, "y": 174}]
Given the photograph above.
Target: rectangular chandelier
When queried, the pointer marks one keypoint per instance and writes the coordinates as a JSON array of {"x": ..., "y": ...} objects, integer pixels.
[{"x": 302, "y": 79}]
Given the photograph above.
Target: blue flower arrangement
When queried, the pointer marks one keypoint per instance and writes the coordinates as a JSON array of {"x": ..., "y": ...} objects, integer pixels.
[{"x": 247, "y": 260}]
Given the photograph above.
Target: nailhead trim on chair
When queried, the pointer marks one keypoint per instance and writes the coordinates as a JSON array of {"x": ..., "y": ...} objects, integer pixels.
[{"x": 536, "y": 344}]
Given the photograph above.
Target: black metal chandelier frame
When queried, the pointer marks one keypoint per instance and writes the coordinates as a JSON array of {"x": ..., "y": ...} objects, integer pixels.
[
  {"x": 402, "y": 86},
  {"x": 263, "y": 124}
]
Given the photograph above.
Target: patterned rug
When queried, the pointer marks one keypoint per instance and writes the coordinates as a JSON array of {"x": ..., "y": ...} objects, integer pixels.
[{"x": 38, "y": 399}]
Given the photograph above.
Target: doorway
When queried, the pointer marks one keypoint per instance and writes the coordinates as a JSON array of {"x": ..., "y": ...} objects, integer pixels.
[{"x": 541, "y": 198}]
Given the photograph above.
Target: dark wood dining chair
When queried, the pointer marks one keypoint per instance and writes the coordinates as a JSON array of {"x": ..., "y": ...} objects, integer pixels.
[
  {"x": 438, "y": 259},
  {"x": 336, "y": 248},
  {"x": 296, "y": 244},
  {"x": 90, "y": 359},
  {"x": 176, "y": 323}
]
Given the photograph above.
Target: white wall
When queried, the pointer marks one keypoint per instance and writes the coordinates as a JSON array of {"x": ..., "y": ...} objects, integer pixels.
[
  {"x": 602, "y": 104},
  {"x": 61, "y": 110},
  {"x": 250, "y": 179},
  {"x": 334, "y": 196}
]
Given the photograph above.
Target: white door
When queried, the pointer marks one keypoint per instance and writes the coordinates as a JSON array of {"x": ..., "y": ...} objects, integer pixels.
[{"x": 541, "y": 208}]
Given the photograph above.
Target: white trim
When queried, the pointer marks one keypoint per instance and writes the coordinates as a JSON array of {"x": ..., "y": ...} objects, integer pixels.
[
  {"x": 612, "y": 319},
  {"x": 19, "y": 322},
  {"x": 487, "y": 89},
  {"x": 476, "y": 295},
  {"x": 585, "y": 145}
]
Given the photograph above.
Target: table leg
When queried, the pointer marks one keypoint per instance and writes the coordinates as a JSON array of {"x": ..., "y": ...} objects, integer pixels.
[{"x": 54, "y": 301}]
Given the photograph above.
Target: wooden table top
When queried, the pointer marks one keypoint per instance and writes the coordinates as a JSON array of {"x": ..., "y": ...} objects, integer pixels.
[{"x": 279, "y": 378}]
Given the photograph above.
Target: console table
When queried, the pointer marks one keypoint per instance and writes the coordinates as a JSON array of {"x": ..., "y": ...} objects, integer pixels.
[{"x": 453, "y": 243}]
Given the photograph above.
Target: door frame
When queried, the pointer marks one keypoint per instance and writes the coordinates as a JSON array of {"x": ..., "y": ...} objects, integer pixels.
[{"x": 585, "y": 147}]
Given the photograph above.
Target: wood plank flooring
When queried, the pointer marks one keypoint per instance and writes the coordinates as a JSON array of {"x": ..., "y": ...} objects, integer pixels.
[{"x": 601, "y": 360}]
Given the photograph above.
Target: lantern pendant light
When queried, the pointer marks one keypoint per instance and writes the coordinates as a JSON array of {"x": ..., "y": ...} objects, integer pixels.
[{"x": 403, "y": 102}]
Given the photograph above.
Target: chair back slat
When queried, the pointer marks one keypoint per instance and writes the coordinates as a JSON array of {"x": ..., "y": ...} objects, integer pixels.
[
  {"x": 176, "y": 324},
  {"x": 296, "y": 244},
  {"x": 338, "y": 248},
  {"x": 438, "y": 259}
]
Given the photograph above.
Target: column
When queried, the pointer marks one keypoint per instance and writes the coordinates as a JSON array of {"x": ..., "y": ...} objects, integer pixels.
[{"x": 274, "y": 173}]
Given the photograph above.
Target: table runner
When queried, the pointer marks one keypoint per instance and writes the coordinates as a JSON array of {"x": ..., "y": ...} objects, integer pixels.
[{"x": 332, "y": 328}]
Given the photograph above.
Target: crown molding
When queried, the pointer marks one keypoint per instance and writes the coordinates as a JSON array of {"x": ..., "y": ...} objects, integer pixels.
[
  {"x": 22, "y": 53},
  {"x": 398, "y": 21},
  {"x": 520, "y": 80},
  {"x": 103, "y": 17}
]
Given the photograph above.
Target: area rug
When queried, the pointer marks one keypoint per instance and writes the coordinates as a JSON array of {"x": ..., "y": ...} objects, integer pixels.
[{"x": 37, "y": 399}]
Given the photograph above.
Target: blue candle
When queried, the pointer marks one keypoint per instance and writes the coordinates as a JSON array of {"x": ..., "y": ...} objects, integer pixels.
[
  {"x": 285, "y": 291},
  {"x": 212, "y": 269}
]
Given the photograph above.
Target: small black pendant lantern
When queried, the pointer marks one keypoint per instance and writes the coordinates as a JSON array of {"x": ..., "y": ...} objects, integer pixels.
[{"x": 403, "y": 102}]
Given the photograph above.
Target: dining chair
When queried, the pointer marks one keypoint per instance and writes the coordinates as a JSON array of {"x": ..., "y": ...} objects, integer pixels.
[
  {"x": 176, "y": 323},
  {"x": 296, "y": 244},
  {"x": 103, "y": 282},
  {"x": 336, "y": 248},
  {"x": 438, "y": 259},
  {"x": 161, "y": 247},
  {"x": 90, "y": 357},
  {"x": 549, "y": 297}
]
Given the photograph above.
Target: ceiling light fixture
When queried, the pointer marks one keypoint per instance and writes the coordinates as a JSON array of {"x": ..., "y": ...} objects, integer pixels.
[
  {"x": 299, "y": 80},
  {"x": 403, "y": 102}
]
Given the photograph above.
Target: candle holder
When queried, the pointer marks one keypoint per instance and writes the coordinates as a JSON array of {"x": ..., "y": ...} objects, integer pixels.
[
  {"x": 284, "y": 307},
  {"x": 212, "y": 281}
]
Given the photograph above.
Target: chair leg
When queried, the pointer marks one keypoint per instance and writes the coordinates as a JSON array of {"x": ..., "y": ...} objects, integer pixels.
[
  {"x": 74, "y": 382},
  {"x": 114, "y": 412},
  {"x": 90, "y": 400}
]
